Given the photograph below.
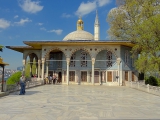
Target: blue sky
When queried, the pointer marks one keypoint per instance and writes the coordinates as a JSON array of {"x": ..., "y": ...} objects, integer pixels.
[{"x": 22, "y": 20}]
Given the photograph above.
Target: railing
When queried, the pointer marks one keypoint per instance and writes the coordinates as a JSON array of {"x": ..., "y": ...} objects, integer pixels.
[
  {"x": 140, "y": 85},
  {"x": 29, "y": 84}
]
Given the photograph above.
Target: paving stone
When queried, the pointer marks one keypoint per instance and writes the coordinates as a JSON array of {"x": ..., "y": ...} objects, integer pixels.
[{"x": 80, "y": 102}]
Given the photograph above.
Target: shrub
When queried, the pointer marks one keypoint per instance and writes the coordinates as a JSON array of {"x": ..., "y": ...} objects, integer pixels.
[
  {"x": 14, "y": 78},
  {"x": 152, "y": 81}
]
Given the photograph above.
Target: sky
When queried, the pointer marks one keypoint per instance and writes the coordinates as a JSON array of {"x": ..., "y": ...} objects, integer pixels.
[{"x": 31, "y": 20}]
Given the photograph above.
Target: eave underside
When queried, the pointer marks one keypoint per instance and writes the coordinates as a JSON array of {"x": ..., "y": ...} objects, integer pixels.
[{"x": 37, "y": 45}]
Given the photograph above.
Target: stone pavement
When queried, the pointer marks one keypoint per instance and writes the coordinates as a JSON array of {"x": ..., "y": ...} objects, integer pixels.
[{"x": 79, "y": 102}]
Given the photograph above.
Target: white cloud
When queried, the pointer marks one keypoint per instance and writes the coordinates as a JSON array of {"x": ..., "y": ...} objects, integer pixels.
[
  {"x": 40, "y": 24},
  {"x": 23, "y": 21},
  {"x": 43, "y": 28},
  {"x": 103, "y": 2},
  {"x": 86, "y": 8},
  {"x": 58, "y": 32},
  {"x": 66, "y": 15},
  {"x": 4, "y": 23},
  {"x": 16, "y": 16},
  {"x": 30, "y": 6}
]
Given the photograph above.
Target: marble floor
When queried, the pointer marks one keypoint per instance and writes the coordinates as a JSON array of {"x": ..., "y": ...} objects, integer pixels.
[{"x": 79, "y": 102}]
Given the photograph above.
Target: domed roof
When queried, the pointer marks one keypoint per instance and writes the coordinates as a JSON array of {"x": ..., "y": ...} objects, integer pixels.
[{"x": 79, "y": 35}]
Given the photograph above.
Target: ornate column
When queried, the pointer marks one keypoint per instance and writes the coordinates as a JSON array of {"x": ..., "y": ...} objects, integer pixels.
[
  {"x": 24, "y": 64},
  {"x": 67, "y": 60},
  {"x": 93, "y": 62},
  {"x": 47, "y": 69},
  {"x": 39, "y": 66},
  {"x": 43, "y": 59},
  {"x": 118, "y": 77}
]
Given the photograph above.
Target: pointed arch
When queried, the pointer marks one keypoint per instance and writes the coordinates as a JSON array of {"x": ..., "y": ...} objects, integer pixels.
[
  {"x": 77, "y": 49},
  {"x": 31, "y": 54},
  {"x": 52, "y": 49},
  {"x": 99, "y": 50}
]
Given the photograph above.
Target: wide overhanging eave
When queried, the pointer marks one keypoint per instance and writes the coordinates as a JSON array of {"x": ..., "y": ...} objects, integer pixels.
[
  {"x": 39, "y": 44},
  {"x": 20, "y": 48}
]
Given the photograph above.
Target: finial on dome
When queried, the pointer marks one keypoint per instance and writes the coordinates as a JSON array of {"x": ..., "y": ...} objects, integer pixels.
[{"x": 80, "y": 24}]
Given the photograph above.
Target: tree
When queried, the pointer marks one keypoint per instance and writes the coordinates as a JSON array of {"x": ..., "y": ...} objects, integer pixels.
[
  {"x": 139, "y": 22},
  {"x": 14, "y": 78},
  {"x": 27, "y": 68},
  {"x": 1, "y": 48}
]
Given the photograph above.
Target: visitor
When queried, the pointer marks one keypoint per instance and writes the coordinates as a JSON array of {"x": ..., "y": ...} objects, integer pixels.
[
  {"x": 46, "y": 80},
  {"x": 54, "y": 79},
  {"x": 50, "y": 79},
  {"x": 22, "y": 84}
]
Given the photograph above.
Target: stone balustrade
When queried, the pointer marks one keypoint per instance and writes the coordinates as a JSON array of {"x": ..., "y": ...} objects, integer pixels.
[
  {"x": 29, "y": 84},
  {"x": 140, "y": 85}
]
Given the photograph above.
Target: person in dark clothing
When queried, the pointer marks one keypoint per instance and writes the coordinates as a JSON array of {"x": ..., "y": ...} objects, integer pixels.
[
  {"x": 22, "y": 84},
  {"x": 54, "y": 79}
]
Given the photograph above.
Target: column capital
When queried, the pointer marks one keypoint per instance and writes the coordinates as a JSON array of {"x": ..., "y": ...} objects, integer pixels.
[
  {"x": 43, "y": 59},
  {"x": 39, "y": 61},
  {"x": 118, "y": 61},
  {"x": 24, "y": 62},
  {"x": 67, "y": 60},
  {"x": 93, "y": 61}
]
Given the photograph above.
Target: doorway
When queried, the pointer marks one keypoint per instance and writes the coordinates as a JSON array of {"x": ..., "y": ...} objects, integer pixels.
[
  {"x": 59, "y": 77},
  {"x": 83, "y": 76},
  {"x": 109, "y": 76}
]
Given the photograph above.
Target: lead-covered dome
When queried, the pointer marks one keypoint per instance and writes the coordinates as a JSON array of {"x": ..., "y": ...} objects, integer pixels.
[{"x": 79, "y": 35}]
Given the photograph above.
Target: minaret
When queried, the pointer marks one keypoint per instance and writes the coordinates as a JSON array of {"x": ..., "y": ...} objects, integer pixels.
[{"x": 96, "y": 28}]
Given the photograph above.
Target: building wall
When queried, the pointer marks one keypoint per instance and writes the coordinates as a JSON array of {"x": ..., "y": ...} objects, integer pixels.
[
  {"x": 101, "y": 62},
  {"x": 125, "y": 66},
  {"x": 97, "y": 52}
]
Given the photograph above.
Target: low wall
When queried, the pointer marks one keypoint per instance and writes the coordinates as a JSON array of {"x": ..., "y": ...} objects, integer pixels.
[
  {"x": 140, "y": 85},
  {"x": 29, "y": 84}
]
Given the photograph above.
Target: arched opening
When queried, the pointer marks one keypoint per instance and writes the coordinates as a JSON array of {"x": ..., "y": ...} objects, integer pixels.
[
  {"x": 31, "y": 67},
  {"x": 105, "y": 67},
  {"x": 55, "y": 66},
  {"x": 80, "y": 67}
]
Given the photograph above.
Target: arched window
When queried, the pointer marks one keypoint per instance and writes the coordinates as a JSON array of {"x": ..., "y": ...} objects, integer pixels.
[
  {"x": 72, "y": 61},
  {"x": 109, "y": 59},
  {"x": 126, "y": 56},
  {"x": 59, "y": 57},
  {"x": 83, "y": 58}
]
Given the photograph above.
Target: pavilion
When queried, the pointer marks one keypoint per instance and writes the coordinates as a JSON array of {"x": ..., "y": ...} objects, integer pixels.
[{"x": 81, "y": 58}]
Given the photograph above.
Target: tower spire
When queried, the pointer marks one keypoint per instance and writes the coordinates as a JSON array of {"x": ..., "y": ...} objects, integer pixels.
[
  {"x": 96, "y": 20},
  {"x": 96, "y": 27}
]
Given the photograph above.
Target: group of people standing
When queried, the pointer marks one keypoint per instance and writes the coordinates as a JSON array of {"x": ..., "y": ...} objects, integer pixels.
[{"x": 51, "y": 79}]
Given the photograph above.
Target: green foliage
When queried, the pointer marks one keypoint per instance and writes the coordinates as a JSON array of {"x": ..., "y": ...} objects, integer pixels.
[
  {"x": 141, "y": 76},
  {"x": 27, "y": 68},
  {"x": 1, "y": 48},
  {"x": 14, "y": 78},
  {"x": 152, "y": 81},
  {"x": 34, "y": 67},
  {"x": 139, "y": 22}
]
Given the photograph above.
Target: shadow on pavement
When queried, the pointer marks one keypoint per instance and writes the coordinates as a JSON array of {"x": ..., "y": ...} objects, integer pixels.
[{"x": 27, "y": 93}]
